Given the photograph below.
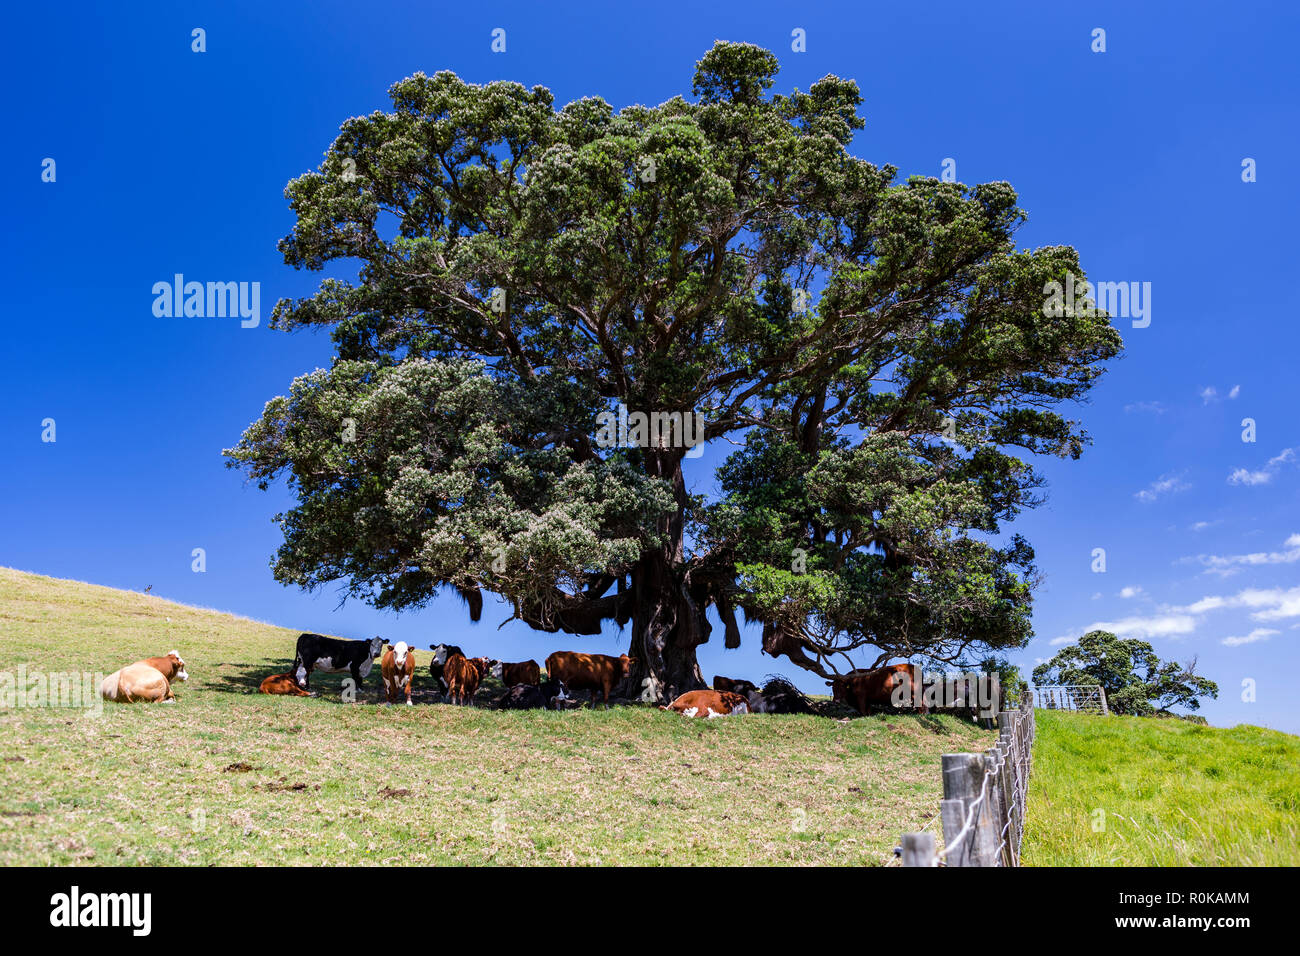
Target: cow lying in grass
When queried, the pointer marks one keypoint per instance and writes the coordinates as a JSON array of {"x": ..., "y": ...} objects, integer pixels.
[
  {"x": 709, "y": 703},
  {"x": 147, "y": 681},
  {"x": 283, "y": 684},
  {"x": 532, "y": 696}
]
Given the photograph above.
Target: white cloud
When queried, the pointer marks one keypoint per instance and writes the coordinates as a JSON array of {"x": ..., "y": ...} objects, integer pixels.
[
  {"x": 1155, "y": 408},
  {"x": 1130, "y": 592},
  {"x": 1243, "y": 476},
  {"x": 1158, "y": 625},
  {"x": 1266, "y": 604},
  {"x": 1211, "y": 394},
  {"x": 1202, "y": 525},
  {"x": 1262, "y": 476},
  {"x": 1229, "y": 564},
  {"x": 1166, "y": 483},
  {"x": 1058, "y": 641},
  {"x": 1258, "y": 634}
]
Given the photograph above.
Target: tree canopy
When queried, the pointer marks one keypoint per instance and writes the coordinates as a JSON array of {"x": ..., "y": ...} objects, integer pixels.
[
  {"x": 876, "y": 349},
  {"x": 1136, "y": 681}
]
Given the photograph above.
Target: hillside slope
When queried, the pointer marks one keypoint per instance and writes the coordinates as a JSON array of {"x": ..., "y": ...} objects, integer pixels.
[
  {"x": 1134, "y": 791},
  {"x": 230, "y": 776}
]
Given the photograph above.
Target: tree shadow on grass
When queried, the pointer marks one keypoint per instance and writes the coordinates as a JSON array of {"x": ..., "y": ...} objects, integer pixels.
[{"x": 246, "y": 678}]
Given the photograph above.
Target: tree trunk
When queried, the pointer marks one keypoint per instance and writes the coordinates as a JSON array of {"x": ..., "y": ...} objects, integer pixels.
[
  {"x": 669, "y": 617},
  {"x": 667, "y": 625}
]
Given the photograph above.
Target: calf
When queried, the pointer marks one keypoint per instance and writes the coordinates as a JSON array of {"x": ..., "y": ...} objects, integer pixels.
[
  {"x": 525, "y": 672},
  {"x": 591, "y": 672},
  {"x": 398, "y": 668},
  {"x": 877, "y": 688},
  {"x": 317, "y": 653},
  {"x": 709, "y": 703},
  {"x": 137, "y": 683},
  {"x": 735, "y": 685},
  {"x": 439, "y": 662},
  {"x": 283, "y": 684},
  {"x": 531, "y": 696},
  {"x": 463, "y": 676}
]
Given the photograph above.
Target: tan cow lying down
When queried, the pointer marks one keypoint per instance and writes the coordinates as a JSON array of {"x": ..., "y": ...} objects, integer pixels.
[
  {"x": 147, "y": 681},
  {"x": 709, "y": 703},
  {"x": 283, "y": 684}
]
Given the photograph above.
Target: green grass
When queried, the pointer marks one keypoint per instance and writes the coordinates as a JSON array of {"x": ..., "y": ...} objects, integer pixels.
[
  {"x": 230, "y": 776},
  {"x": 1162, "y": 792}
]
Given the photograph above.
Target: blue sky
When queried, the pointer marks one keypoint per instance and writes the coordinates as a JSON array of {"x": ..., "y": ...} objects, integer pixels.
[{"x": 170, "y": 161}]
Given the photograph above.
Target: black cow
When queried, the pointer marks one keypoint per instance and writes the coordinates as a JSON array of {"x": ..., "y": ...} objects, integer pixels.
[
  {"x": 440, "y": 655},
  {"x": 779, "y": 696},
  {"x": 317, "y": 653},
  {"x": 530, "y": 696}
]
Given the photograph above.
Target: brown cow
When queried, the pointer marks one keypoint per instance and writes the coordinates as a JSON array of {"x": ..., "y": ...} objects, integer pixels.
[
  {"x": 591, "y": 672},
  {"x": 709, "y": 703},
  {"x": 172, "y": 666},
  {"x": 880, "y": 687},
  {"x": 137, "y": 683},
  {"x": 398, "y": 668},
  {"x": 283, "y": 684},
  {"x": 525, "y": 672},
  {"x": 462, "y": 675},
  {"x": 735, "y": 685}
]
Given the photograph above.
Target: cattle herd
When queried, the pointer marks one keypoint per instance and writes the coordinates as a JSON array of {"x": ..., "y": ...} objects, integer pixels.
[{"x": 457, "y": 677}]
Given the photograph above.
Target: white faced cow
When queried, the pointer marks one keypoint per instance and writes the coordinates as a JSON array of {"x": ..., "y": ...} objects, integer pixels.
[
  {"x": 328, "y": 654},
  {"x": 398, "y": 669}
]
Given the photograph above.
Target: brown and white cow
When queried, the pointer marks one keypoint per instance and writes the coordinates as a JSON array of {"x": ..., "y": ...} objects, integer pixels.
[
  {"x": 463, "y": 675},
  {"x": 896, "y": 685},
  {"x": 398, "y": 668},
  {"x": 171, "y": 666},
  {"x": 137, "y": 683},
  {"x": 524, "y": 672},
  {"x": 709, "y": 703},
  {"x": 591, "y": 672}
]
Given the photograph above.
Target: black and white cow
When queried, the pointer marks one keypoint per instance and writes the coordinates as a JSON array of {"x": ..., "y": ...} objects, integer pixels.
[
  {"x": 440, "y": 654},
  {"x": 317, "y": 653},
  {"x": 548, "y": 695}
]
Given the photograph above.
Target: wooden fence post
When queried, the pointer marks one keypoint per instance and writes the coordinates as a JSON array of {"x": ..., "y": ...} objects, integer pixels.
[
  {"x": 918, "y": 849},
  {"x": 963, "y": 782}
]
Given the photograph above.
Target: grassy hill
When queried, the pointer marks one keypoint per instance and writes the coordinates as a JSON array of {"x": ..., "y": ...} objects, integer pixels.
[
  {"x": 230, "y": 776},
  {"x": 1169, "y": 792}
]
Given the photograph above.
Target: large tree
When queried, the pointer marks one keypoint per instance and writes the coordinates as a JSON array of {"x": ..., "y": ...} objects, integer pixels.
[
  {"x": 1136, "y": 681},
  {"x": 878, "y": 351}
]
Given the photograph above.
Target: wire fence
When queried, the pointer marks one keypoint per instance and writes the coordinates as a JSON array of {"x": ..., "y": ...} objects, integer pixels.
[
  {"x": 1086, "y": 698},
  {"x": 983, "y": 809}
]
